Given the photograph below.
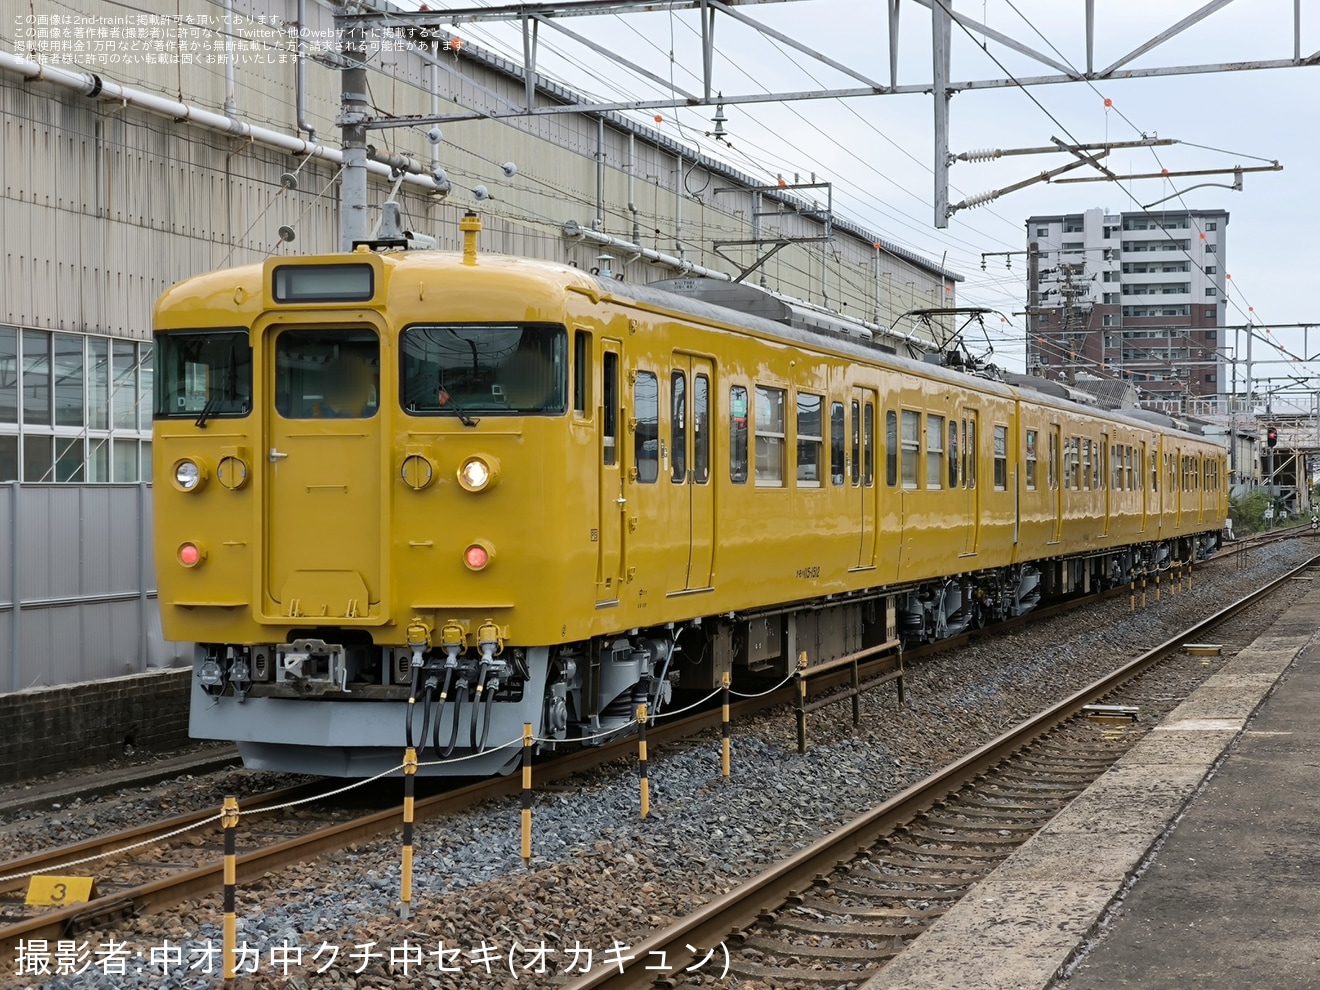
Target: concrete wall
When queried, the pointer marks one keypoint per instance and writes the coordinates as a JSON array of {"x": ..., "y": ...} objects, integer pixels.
[{"x": 81, "y": 725}]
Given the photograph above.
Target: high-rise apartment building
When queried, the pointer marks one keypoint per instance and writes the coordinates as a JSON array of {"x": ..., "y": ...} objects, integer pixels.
[{"x": 1138, "y": 296}]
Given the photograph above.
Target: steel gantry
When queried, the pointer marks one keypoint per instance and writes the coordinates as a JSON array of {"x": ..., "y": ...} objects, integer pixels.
[{"x": 428, "y": 29}]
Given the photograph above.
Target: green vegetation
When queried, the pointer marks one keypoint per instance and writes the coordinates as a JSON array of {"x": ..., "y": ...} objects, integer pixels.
[{"x": 1248, "y": 513}]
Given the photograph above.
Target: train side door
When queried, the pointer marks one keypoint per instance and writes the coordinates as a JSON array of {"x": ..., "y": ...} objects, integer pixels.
[
  {"x": 613, "y": 506},
  {"x": 651, "y": 553},
  {"x": 1143, "y": 483},
  {"x": 687, "y": 473},
  {"x": 1106, "y": 472},
  {"x": 1057, "y": 480},
  {"x": 971, "y": 486},
  {"x": 863, "y": 411},
  {"x": 700, "y": 485},
  {"x": 322, "y": 471},
  {"x": 1179, "y": 487}
]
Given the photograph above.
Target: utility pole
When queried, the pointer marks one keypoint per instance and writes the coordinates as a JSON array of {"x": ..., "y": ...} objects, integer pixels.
[
  {"x": 353, "y": 115},
  {"x": 1074, "y": 322}
]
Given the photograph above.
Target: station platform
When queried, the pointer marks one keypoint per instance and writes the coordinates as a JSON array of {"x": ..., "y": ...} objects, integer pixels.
[{"x": 1157, "y": 877}]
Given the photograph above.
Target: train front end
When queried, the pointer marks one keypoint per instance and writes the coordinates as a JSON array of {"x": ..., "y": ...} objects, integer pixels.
[{"x": 350, "y": 453}]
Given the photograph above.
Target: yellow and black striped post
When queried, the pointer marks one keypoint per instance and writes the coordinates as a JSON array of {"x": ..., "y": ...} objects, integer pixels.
[
  {"x": 802, "y": 702},
  {"x": 409, "y": 793},
  {"x": 527, "y": 794},
  {"x": 641, "y": 757},
  {"x": 1132, "y": 595},
  {"x": 1157, "y": 585},
  {"x": 1143, "y": 591},
  {"x": 724, "y": 724},
  {"x": 229, "y": 822}
]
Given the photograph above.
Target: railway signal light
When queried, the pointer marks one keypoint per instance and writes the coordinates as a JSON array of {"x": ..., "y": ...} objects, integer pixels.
[{"x": 1272, "y": 437}]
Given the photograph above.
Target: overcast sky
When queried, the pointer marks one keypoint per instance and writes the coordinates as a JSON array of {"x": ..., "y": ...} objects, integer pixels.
[{"x": 878, "y": 150}]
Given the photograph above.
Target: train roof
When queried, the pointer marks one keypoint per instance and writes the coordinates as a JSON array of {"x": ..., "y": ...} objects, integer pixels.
[{"x": 873, "y": 351}]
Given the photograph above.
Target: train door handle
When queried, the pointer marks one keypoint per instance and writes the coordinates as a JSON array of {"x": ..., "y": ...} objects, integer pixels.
[{"x": 275, "y": 455}]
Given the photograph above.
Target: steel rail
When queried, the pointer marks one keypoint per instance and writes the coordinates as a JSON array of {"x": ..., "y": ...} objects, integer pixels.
[
  {"x": 741, "y": 907},
  {"x": 49, "y": 860}
]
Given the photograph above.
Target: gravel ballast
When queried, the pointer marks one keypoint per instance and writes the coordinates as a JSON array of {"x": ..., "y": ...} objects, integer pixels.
[{"x": 602, "y": 879}]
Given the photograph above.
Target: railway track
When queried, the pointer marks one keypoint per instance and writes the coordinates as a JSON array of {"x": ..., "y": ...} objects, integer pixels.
[
  {"x": 859, "y": 895},
  {"x": 182, "y": 878},
  {"x": 170, "y": 846}
]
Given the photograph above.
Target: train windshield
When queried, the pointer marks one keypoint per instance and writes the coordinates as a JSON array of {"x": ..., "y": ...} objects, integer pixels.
[
  {"x": 203, "y": 373},
  {"x": 490, "y": 368}
]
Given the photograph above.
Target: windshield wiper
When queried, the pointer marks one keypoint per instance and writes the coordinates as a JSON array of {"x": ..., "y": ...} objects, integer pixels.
[
  {"x": 207, "y": 409},
  {"x": 463, "y": 417},
  {"x": 228, "y": 393}
]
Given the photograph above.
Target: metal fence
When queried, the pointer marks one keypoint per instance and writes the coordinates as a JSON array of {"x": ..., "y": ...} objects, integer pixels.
[{"x": 77, "y": 585}]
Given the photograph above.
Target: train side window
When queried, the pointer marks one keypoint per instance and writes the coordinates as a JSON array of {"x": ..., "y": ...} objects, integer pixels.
[
  {"x": 1031, "y": 460},
  {"x": 810, "y": 439},
  {"x": 856, "y": 474},
  {"x": 609, "y": 386},
  {"x": 934, "y": 451},
  {"x": 1001, "y": 458},
  {"x": 581, "y": 372},
  {"x": 953, "y": 453},
  {"x": 646, "y": 434},
  {"x": 769, "y": 436},
  {"x": 1052, "y": 464},
  {"x": 868, "y": 446},
  {"x": 701, "y": 429},
  {"x": 738, "y": 434},
  {"x": 891, "y": 448},
  {"x": 836, "y": 443},
  {"x": 1154, "y": 473},
  {"x": 1086, "y": 464},
  {"x": 911, "y": 447},
  {"x": 678, "y": 427}
]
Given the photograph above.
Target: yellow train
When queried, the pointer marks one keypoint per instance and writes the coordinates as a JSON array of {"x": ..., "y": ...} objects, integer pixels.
[{"x": 520, "y": 493}]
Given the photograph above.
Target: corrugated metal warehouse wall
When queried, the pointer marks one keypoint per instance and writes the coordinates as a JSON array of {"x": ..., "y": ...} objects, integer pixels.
[{"x": 77, "y": 586}]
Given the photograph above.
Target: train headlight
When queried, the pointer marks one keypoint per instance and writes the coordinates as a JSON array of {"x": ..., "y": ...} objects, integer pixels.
[
  {"x": 190, "y": 554},
  {"x": 477, "y": 556},
  {"x": 478, "y": 473},
  {"x": 189, "y": 475}
]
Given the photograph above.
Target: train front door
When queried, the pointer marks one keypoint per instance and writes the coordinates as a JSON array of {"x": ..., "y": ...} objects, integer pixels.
[
  {"x": 691, "y": 494},
  {"x": 613, "y": 506},
  {"x": 323, "y": 551}
]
